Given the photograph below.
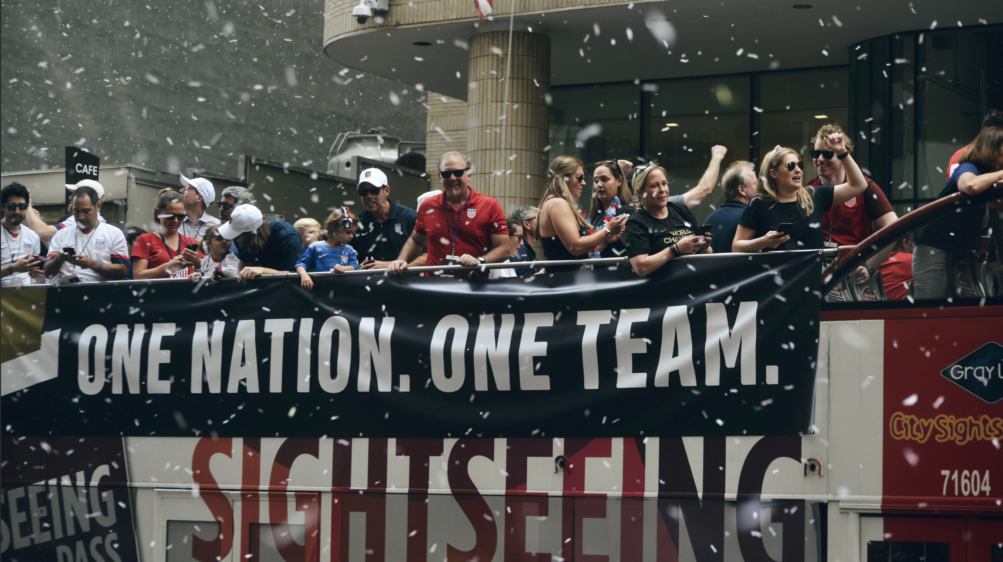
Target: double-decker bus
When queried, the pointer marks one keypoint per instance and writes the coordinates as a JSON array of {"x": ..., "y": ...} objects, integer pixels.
[{"x": 715, "y": 412}]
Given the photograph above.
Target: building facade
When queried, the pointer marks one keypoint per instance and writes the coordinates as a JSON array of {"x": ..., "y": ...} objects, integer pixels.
[{"x": 664, "y": 81}]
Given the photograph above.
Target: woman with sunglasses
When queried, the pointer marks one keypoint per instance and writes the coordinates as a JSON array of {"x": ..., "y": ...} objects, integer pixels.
[
  {"x": 611, "y": 198},
  {"x": 782, "y": 200},
  {"x": 166, "y": 253},
  {"x": 564, "y": 232}
]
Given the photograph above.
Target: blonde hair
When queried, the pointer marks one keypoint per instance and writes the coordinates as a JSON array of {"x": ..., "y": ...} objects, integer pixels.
[
  {"x": 641, "y": 178},
  {"x": 304, "y": 224},
  {"x": 623, "y": 192},
  {"x": 768, "y": 185},
  {"x": 830, "y": 128},
  {"x": 557, "y": 186}
]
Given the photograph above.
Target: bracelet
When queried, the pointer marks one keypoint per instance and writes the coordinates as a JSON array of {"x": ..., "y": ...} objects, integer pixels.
[
  {"x": 843, "y": 155},
  {"x": 100, "y": 266},
  {"x": 675, "y": 250},
  {"x": 11, "y": 268}
]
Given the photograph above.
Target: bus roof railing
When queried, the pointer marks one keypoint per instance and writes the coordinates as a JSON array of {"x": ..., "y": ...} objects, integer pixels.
[
  {"x": 417, "y": 270},
  {"x": 850, "y": 257}
]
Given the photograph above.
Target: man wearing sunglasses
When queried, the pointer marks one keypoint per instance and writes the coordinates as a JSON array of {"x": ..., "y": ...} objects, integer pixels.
[
  {"x": 21, "y": 246},
  {"x": 460, "y": 225},
  {"x": 853, "y": 221},
  {"x": 384, "y": 226},
  {"x": 199, "y": 194}
]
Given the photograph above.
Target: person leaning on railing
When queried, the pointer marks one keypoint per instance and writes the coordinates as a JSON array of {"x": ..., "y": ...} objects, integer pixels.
[
  {"x": 660, "y": 230},
  {"x": 611, "y": 197},
  {"x": 333, "y": 254},
  {"x": 263, "y": 247},
  {"x": 98, "y": 249},
  {"x": 781, "y": 199},
  {"x": 21, "y": 246},
  {"x": 166, "y": 254},
  {"x": 565, "y": 233},
  {"x": 459, "y": 225},
  {"x": 957, "y": 235}
]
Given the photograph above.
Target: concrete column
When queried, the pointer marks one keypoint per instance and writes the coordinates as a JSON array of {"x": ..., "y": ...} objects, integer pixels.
[{"x": 518, "y": 176}]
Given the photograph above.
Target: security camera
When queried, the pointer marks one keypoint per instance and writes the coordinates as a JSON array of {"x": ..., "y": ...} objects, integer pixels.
[{"x": 362, "y": 12}]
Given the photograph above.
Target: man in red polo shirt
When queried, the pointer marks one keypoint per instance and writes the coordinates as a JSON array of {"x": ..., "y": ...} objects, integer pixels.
[
  {"x": 853, "y": 221},
  {"x": 459, "y": 225}
]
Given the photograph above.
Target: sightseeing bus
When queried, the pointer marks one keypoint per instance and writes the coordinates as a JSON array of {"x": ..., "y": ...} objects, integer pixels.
[{"x": 717, "y": 411}]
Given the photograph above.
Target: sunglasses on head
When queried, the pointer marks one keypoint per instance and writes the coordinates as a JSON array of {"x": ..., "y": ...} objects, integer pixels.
[
  {"x": 444, "y": 174},
  {"x": 790, "y": 165},
  {"x": 178, "y": 217},
  {"x": 17, "y": 206},
  {"x": 826, "y": 154},
  {"x": 374, "y": 191},
  {"x": 611, "y": 164}
]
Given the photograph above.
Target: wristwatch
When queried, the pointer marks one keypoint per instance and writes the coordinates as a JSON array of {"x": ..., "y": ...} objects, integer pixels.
[
  {"x": 482, "y": 260},
  {"x": 608, "y": 233},
  {"x": 843, "y": 155}
]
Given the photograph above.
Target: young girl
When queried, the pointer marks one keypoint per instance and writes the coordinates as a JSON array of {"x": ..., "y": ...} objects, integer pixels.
[
  {"x": 333, "y": 254},
  {"x": 219, "y": 261}
]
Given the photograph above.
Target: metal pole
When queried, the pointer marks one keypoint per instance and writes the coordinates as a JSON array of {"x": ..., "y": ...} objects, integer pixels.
[{"x": 508, "y": 68}]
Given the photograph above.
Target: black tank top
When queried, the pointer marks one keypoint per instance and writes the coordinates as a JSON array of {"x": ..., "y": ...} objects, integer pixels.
[{"x": 553, "y": 249}]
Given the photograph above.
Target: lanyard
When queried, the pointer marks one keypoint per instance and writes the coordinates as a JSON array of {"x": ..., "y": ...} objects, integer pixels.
[
  {"x": 87, "y": 241},
  {"x": 459, "y": 216},
  {"x": 197, "y": 232},
  {"x": 10, "y": 244},
  {"x": 169, "y": 253}
]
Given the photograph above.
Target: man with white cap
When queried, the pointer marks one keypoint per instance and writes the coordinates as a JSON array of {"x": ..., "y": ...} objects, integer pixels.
[
  {"x": 199, "y": 194},
  {"x": 263, "y": 247},
  {"x": 46, "y": 231},
  {"x": 91, "y": 251},
  {"x": 384, "y": 226}
]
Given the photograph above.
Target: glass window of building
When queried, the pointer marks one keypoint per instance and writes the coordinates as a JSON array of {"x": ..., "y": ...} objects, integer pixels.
[
  {"x": 594, "y": 123},
  {"x": 685, "y": 118},
  {"x": 791, "y": 106}
]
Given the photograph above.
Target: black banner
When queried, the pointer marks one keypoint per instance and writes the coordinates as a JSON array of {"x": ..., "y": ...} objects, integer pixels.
[{"x": 720, "y": 346}]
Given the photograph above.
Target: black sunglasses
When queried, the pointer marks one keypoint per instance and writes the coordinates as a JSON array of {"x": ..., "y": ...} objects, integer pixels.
[
  {"x": 363, "y": 191},
  {"x": 580, "y": 178},
  {"x": 18, "y": 206},
  {"x": 444, "y": 174},
  {"x": 826, "y": 154},
  {"x": 226, "y": 206},
  {"x": 790, "y": 165},
  {"x": 179, "y": 217}
]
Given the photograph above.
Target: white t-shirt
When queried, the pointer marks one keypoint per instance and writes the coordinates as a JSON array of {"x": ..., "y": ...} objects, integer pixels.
[
  {"x": 71, "y": 222},
  {"x": 502, "y": 273},
  {"x": 230, "y": 265},
  {"x": 105, "y": 244},
  {"x": 15, "y": 247}
]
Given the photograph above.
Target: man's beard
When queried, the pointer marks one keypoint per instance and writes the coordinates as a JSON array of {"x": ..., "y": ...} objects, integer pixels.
[{"x": 13, "y": 220}]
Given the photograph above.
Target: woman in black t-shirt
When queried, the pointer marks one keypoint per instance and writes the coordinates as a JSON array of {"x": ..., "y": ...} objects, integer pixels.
[
  {"x": 782, "y": 199},
  {"x": 661, "y": 230}
]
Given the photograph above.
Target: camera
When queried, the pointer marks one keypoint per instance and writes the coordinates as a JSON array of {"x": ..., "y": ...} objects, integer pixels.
[
  {"x": 369, "y": 9},
  {"x": 362, "y": 12}
]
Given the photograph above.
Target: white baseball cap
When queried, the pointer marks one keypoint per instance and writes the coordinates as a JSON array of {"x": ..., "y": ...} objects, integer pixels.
[
  {"x": 88, "y": 183},
  {"x": 203, "y": 186},
  {"x": 244, "y": 218},
  {"x": 374, "y": 177}
]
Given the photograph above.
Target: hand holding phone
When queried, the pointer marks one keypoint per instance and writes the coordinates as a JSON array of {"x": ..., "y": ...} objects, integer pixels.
[
  {"x": 704, "y": 230},
  {"x": 787, "y": 228}
]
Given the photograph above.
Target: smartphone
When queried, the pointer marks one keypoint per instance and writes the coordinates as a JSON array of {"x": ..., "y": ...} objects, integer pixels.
[
  {"x": 193, "y": 247},
  {"x": 786, "y": 228},
  {"x": 705, "y": 229},
  {"x": 69, "y": 251}
]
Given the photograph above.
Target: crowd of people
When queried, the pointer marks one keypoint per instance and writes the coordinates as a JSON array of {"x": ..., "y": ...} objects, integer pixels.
[{"x": 632, "y": 215}]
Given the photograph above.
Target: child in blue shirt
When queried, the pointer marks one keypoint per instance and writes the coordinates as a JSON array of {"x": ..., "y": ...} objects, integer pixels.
[{"x": 333, "y": 254}]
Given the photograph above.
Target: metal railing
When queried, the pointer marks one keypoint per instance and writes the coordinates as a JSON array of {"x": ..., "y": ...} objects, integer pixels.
[{"x": 438, "y": 269}]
